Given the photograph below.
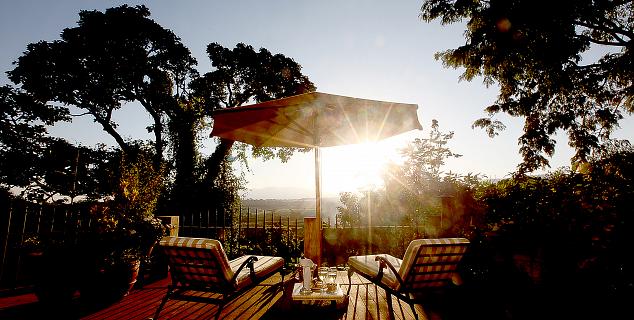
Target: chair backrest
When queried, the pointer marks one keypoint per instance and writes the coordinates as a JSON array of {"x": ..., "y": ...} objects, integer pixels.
[
  {"x": 197, "y": 262},
  {"x": 431, "y": 263}
]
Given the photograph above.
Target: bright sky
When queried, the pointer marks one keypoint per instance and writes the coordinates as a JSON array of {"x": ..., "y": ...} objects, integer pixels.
[{"x": 367, "y": 49}]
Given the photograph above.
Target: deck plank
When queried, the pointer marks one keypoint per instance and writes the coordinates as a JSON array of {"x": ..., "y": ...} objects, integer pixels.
[{"x": 266, "y": 301}]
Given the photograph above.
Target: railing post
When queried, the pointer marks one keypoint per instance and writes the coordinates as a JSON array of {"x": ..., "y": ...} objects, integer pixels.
[
  {"x": 288, "y": 230},
  {"x": 173, "y": 222},
  {"x": 312, "y": 239},
  {"x": 248, "y": 221},
  {"x": 6, "y": 239}
]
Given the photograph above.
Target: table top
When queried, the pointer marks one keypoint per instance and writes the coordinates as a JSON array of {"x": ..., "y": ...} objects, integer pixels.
[{"x": 316, "y": 295}]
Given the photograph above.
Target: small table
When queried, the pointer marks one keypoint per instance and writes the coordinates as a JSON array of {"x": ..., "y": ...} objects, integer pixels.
[{"x": 317, "y": 295}]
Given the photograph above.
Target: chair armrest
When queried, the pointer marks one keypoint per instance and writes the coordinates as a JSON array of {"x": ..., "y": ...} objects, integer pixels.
[
  {"x": 384, "y": 263},
  {"x": 248, "y": 262}
]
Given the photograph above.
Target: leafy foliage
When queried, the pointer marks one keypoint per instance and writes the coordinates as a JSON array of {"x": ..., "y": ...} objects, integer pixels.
[
  {"x": 562, "y": 234},
  {"x": 538, "y": 53},
  {"x": 349, "y": 214},
  {"x": 110, "y": 58},
  {"x": 23, "y": 137},
  {"x": 244, "y": 75},
  {"x": 425, "y": 157},
  {"x": 125, "y": 228},
  {"x": 119, "y": 56},
  {"x": 414, "y": 191}
]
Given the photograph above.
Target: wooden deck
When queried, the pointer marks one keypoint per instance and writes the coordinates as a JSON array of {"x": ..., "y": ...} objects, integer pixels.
[{"x": 265, "y": 301}]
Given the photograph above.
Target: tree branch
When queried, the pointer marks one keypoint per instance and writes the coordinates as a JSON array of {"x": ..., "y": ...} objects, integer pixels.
[
  {"x": 81, "y": 114},
  {"x": 604, "y": 42},
  {"x": 613, "y": 32},
  {"x": 617, "y": 28}
]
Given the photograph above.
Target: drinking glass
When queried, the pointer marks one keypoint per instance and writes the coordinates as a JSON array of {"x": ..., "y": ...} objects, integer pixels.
[
  {"x": 331, "y": 280},
  {"x": 322, "y": 273}
]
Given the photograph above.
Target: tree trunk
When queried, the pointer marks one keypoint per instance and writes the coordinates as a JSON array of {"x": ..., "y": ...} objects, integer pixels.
[
  {"x": 107, "y": 127},
  {"x": 185, "y": 155},
  {"x": 214, "y": 163},
  {"x": 158, "y": 138}
]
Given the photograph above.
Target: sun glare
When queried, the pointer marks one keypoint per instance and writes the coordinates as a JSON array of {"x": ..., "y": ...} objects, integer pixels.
[{"x": 357, "y": 167}]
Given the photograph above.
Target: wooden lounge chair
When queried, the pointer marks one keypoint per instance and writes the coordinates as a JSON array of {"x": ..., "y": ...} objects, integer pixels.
[
  {"x": 200, "y": 264},
  {"x": 429, "y": 266}
]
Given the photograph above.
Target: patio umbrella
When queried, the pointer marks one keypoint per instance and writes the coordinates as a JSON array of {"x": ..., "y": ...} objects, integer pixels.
[{"x": 315, "y": 120}]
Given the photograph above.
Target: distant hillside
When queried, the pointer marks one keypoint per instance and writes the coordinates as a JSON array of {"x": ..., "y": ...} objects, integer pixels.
[{"x": 304, "y": 207}]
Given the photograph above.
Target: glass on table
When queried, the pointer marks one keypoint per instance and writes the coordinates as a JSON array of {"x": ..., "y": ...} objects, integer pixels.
[
  {"x": 331, "y": 279},
  {"x": 322, "y": 273}
]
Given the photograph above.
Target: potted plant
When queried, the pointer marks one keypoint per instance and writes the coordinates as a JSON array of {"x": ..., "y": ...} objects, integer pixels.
[
  {"x": 123, "y": 233},
  {"x": 49, "y": 264}
]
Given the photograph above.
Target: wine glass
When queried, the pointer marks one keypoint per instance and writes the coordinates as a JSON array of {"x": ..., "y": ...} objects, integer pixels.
[{"x": 322, "y": 273}]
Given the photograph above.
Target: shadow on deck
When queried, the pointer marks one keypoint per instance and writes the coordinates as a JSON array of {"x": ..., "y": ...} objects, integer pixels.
[{"x": 265, "y": 301}]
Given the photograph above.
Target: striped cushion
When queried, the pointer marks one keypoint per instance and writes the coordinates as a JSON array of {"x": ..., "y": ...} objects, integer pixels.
[
  {"x": 431, "y": 262},
  {"x": 197, "y": 261},
  {"x": 263, "y": 267},
  {"x": 369, "y": 266},
  {"x": 203, "y": 262}
]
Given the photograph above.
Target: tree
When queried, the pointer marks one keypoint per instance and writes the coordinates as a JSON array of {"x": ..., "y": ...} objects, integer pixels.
[
  {"x": 109, "y": 59},
  {"x": 415, "y": 188},
  {"x": 120, "y": 56},
  {"x": 23, "y": 137},
  {"x": 43, "y": 166},
  {"x": 534, "y": 50},
  {"x": 429, "y": 155},
  {"x": 241, "y": 75},
  {"x": 244, "y": 75},
  {"x": 349, "y": 214}
]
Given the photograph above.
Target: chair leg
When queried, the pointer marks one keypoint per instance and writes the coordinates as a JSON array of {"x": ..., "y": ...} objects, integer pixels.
[
  {"x": 411, "y": 304},
  {"x": 170, "y": 290},
  {"x": 282, "y": 281},
  {"x": 220, "y": 306},
  {"x": 390, "y": 309},
  {"x": 350, "y": 272}
]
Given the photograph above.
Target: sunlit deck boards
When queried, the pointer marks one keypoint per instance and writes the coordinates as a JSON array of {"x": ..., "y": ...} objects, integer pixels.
[
  {"x": 265, "y": 301},
  {"x": 366, "y": 301},
  {"x": 142, "y": 303}
]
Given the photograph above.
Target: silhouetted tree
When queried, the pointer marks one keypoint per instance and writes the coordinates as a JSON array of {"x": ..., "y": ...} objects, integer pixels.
[
  {"x": 119, "y": 56},
  {"x": 244, "y": 75},
  {"x": 23, "y": 135},
  {"x": 538, "y": 52},
  {"x": 109, "y": 59}
]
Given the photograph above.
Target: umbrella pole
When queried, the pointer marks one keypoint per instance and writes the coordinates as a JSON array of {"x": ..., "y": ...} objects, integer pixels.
[
  {"x": 312, "y": 225},
  {"x": 318, "y": 186}
]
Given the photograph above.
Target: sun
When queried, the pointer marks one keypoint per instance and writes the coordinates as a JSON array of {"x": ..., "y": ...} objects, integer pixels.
[{"x": 357, "y": 167}]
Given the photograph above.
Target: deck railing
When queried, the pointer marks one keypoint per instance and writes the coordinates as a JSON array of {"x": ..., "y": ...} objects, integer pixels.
[{"x": 245, "y": 231}]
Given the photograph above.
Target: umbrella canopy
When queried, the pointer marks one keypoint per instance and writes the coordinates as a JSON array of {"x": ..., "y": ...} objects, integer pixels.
[{"x": 314, "y": 120}]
